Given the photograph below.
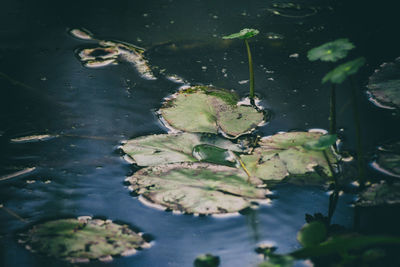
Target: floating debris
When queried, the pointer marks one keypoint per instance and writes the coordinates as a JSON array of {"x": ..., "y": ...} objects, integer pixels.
[
  {"x": 81, "y": 34},
  {"x": 110, "y": 52},
  {"x": 82, "y": 239},
  {"x": 292, "y": 10},
  {"x": 33, "y": 138},
  {"x": 18, "y": 173},
  {"x": 274, "y": 36},
  {"x": 388, "y": 159},
  {"x": 384, "y": 85}
]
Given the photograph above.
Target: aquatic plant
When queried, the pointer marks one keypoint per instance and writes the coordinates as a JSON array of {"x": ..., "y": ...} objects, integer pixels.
[
  {"x": 206, "y": 260},
  {"x": 203, "y": 109},
  {"x": 246, "y": 34},
  {"x": 331, "y": 52},
  {"x": 83, "y": 239}
]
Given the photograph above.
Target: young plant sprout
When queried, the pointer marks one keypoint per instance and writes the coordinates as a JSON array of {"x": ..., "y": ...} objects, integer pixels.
[
  {"x": 331, "y": 52},
  {"x": 244, "y": 35}
]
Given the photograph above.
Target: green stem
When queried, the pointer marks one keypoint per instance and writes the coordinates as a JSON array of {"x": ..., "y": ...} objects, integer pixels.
[
  {"x": 333, "y": 199},
  {"x": 250, "y": 69},
  {"x": 360, "y": 156},
  {"x": 332, "y": 113}
]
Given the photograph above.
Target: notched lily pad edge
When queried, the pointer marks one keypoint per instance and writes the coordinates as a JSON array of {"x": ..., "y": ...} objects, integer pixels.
[{"x": 168, "y": 101}]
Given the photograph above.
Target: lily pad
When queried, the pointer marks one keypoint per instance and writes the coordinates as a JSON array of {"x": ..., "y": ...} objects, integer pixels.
[
  {"x": 203, "y": 109},
  {"x": 199, "y": 188},
  {"x": 243, "y": 34},
  {"x": 332, "y": 51},
  {"x": 83, "y": 239},
  {"x": 206, "y": 260},
  {"x": 322, "y": 143},
  {"x": 380, "y": 194},
  {"x": 384, "y": 85},
  {"x": 283, "y": 156},
  {"x": 388, "y": 159},
  {"x": 311, "y": 234},
  {"x": 292, "y": 10},
  {"x": 341, "y": 72},
  {"x": 159, "y": 149}
]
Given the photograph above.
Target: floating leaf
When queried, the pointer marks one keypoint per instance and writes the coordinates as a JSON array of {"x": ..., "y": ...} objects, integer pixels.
[
  {"x": 384, "y": 85},
  {"x": 311, "y": 234},
  {"x": 206, "y": 260},
  {"x": 380, "y": 194},
  {"x": 322, "y": 143},
  {"x": 204, "y": 109},
  {"x": 82, "y": 239},
  {"x": 170, "y": 148},
  {"x": 332, "y": 51},
  {"x": 388, "y": 159},
  {"x": 283, "y": 155},
  {"x": 243, "y": 34},
  {"x": 32, "y": 138},
  {"x": 341, "y": 72},
  {"x": 199, "y": 188},
  {"x": 213, "y": 154}
]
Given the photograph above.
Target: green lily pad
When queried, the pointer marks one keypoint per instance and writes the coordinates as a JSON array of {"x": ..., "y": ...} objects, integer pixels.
[
  {"x": 388, "y": 159},
  {"x": 83, "y": 239},
  {"x": 341, "y": 72},
  {"x": 204, "y": 109},
  {"x": 380, "y": 194},
  {"x": 159, "y": 149},
  {"x": 283, "y": 156},
  {"x": 243, "y": 34},
  {"x": 384, "y": 85},
  {"x": 206, "y": 260},
  {"x": 311, "y": 234},
  {"x": 332, "y": 51},
  {"x": 199, "y": 188}
]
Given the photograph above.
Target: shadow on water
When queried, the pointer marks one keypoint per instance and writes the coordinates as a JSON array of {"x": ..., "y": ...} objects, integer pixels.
[{"x": 46, "y": 90}]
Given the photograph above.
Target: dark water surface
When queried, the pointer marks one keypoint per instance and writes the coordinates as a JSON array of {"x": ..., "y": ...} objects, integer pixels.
[{"x": 45, "y": 89}]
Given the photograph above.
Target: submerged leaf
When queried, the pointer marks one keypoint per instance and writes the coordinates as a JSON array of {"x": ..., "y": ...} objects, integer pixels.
[
  {"x": 341, "y": 72},
  {"x": 243, "y": 34},
  {"x": 204, "y": 109},
  {"x": 311, "y": 234},
  {"x": 199, "y": 188},
  {"x": 322, "y": 143},
  {"x": 384, "y": 85},
  {"x": 380, "y": 194},
  {"x": 332, "y": 51},
  {"x": 170, "y": 148},
  {"x": 83, "y": 239},
  {"x": 283, "y": 155}
]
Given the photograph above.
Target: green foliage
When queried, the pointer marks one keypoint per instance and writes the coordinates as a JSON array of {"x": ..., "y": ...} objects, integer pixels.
[
  {"x": 206, "y": 260},
  {"x": 311, "y": 234},
  {"x": 243, "y": 34},
  {"x": 213, "y": 154},
  {"x": 341, "y": 72},
  {"x": 322, "y": 143},
  {"x": 332, "y": 51}
]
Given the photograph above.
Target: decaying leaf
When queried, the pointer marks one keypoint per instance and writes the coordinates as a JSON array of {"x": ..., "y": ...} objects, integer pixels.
[
  {"x": 283, "y": 156},
  {"x": 170, "y": 148},
  {"x": 204, "y": 109},
  {"x": 198, "y": 188},
  {"x": 82, "y": 239}
]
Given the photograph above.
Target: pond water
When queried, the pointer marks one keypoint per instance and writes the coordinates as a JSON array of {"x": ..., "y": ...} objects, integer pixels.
[{"x": 45, "y": 89}]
